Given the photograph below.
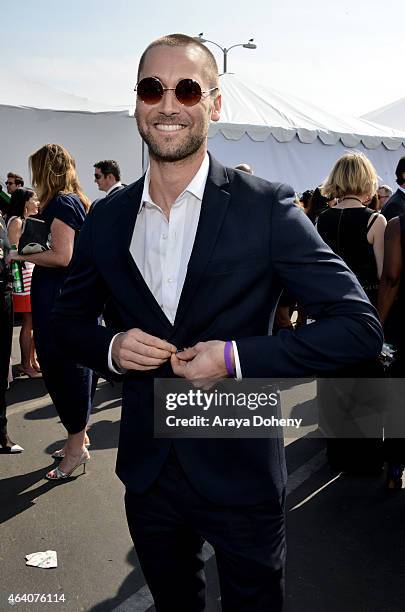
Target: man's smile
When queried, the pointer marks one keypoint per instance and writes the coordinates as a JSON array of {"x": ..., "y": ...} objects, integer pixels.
[{"x": 169, "y": 127}]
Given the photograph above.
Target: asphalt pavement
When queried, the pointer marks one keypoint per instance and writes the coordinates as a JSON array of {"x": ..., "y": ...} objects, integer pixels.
[{"x": 345, "y": 535}]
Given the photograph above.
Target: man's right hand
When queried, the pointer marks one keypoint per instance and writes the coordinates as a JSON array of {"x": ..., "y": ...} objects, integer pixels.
[{"x": 137, "y": 350}]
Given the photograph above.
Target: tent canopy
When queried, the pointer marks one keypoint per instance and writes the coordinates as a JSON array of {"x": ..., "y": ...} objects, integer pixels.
[
  {"x": 288, "y": 140},
  {"x": 16, "y": 90},
  {"x": 283, "y": 137},
  {"x": 32, "y": 114},
  {"x": 391, "y": 115},
  {"x": 261, "y": 111}
]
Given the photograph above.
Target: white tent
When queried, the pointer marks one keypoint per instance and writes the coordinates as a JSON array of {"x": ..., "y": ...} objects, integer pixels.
[
  {"x": 282, "y": 137},
  {"x": 289, "y": 140},
  {"x": 391, "y": 115},
  {"x": 32, "y": 114}
]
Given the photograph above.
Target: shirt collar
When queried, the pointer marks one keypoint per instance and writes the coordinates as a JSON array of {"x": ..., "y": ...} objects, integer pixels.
[
  {"x": 195, "y": 187},
  {"x": 117, "y": 184},
  {"x": 401, "y": 189}
]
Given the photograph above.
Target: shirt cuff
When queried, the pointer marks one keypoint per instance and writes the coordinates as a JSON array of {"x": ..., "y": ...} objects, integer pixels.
[
  {"x": 237, "y": 361},
  {"x": 111, "y": 366}
]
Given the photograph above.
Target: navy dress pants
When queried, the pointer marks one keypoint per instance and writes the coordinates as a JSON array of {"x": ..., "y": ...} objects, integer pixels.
[{"x": 169, "y": 524}]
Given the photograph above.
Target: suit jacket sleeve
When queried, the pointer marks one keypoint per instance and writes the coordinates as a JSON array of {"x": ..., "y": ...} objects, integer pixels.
[
  {"x": 75, "y": 315},
  {"x": 347, "y": 329},
  {"x": 395, "y": 205},
  {"x": 394, "y": 210}
]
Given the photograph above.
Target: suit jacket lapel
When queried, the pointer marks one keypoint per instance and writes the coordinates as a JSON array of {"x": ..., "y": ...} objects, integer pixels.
[
  {"x": 213, "y": 210},
  {"x": 134, "y": 196}
]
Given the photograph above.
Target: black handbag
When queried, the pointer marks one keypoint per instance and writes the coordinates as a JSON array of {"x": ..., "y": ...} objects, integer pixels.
[{"x": 35, "y": 238}]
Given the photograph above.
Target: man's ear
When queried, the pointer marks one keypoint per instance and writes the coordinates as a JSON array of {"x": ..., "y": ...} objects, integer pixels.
[{"x": 216, "y": 109}]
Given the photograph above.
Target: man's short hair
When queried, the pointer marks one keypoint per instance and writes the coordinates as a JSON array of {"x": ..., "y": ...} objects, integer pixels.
[
  {"x": 244, "y": 168},
  {"x": 306, "y": 197},
  {"x": 182, "y": 40},
  {"x": 109, "y": 166},
  {"x": 387, "y": 189},
  {"x": 400, "y": 171},
  {"x": 19, "y": 181}
]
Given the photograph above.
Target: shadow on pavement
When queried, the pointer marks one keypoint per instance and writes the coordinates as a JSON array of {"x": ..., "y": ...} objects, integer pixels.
[
  {"x": 132, "y": 583},
  {"x": 345, "y": 551},
  {"x": 107, "y": 393},
  {"x": 14, "y": 497},
  {"x": 24, "y": 389},
  {"x": 102, "y": 434},
  {"x": 135, "y": 581},
  {"x": 44, "y": 412}
]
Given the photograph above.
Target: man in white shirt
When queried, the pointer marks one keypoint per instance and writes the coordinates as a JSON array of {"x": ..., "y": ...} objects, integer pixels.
[{"x": 194, "y": 255}]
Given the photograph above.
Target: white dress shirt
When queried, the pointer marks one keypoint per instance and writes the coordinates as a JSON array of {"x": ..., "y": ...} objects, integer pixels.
[
  {"x": 161, "y": 247},
  {"x": 117, "y": 184}
]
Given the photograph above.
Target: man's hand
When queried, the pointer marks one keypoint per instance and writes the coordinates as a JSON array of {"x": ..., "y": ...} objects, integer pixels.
[
  {"x": 204, "y": 361},
  {"x": 137, "y": 350},
  {"x": 14, "y": 256}
]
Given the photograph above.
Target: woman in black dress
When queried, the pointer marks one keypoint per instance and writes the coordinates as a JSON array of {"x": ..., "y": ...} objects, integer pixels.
[
  {"x": 350, "y": 228},
  {"x": 356, "y": 234},
  {"x": 63, "y": 206}
]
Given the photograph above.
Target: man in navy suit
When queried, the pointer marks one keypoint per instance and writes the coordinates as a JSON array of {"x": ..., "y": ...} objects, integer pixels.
[
  {"x": 396, "y": 204},
  {"x": 107, "y": 176},
  {"x": 195, "y": 255}
]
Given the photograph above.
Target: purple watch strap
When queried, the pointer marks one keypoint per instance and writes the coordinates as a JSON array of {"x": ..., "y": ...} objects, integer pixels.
[{"x": 228, "y": 359}]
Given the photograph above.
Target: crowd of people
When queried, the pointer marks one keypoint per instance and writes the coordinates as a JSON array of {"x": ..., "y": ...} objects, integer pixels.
[
  {"x": 58, "y": 200},
  {"x": 237, "y": 259}
]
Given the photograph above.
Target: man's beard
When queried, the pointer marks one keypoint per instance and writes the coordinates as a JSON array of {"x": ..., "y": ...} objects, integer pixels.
[{"x": 182, "y": 151}]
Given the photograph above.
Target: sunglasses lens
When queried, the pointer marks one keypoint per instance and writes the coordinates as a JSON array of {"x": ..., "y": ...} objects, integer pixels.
[
  {"x": 150, "y": 90},
  {"x": 188, "y": 92}
]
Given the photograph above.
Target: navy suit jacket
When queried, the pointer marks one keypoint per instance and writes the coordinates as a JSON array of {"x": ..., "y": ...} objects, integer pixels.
[
  {"x": 97, "y": 200},
  {"x": 251, "y": 241},
  {"x": 395, "y": 206}
]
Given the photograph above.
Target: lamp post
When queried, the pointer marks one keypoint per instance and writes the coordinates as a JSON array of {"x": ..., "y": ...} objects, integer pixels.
[{"x": 249, "y": 45}]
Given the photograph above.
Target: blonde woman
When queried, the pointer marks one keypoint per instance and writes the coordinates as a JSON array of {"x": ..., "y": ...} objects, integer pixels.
[
  {"x": 356, "y": 233},
  {"x": 350, "y": 228},
  {"x": 63, "y": 207}
]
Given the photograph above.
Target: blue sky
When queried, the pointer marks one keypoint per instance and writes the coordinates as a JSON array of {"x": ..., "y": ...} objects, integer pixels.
[{"x": 344, "y": 56}]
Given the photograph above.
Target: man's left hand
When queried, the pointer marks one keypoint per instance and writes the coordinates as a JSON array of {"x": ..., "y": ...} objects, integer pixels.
[{"x": 204, "y": 361}]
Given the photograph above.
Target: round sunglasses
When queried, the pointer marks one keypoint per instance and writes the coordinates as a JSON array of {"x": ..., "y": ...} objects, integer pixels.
[{"x": 187, "y": 91}]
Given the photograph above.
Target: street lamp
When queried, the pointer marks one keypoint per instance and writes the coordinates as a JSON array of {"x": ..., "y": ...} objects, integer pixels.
[{"x": 249, "y": 45}]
